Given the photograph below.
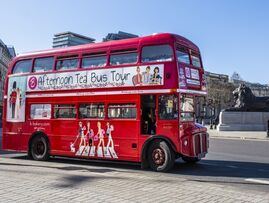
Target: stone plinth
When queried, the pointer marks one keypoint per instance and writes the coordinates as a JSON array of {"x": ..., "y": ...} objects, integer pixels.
[{"x": 243, "y": 121}]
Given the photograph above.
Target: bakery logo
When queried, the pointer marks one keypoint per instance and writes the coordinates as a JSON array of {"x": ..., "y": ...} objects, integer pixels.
[{"x": 32, "y": 82}]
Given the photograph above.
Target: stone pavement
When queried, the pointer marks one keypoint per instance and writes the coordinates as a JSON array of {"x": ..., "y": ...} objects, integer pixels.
[
  {"x": 258, "y": 135},
  {"x": 25, "y": 180}
]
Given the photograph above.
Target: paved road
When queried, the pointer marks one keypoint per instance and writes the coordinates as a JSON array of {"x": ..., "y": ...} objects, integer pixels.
[{"x": 234, "y": 171}]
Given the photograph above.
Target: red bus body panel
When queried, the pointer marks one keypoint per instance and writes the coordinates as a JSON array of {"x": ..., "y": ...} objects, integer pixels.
[{"x": 127, "y": 137}]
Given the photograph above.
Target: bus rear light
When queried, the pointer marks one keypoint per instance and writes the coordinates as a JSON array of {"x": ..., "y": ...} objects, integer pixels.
[{"x": 185, "y": 143}]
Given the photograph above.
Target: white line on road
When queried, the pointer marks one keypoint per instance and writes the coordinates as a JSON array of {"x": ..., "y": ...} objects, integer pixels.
[{"x": 257, "y": 181}]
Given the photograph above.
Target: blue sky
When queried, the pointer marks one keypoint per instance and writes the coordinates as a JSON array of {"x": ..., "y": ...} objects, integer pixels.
[{"x": 232, "y": 35}]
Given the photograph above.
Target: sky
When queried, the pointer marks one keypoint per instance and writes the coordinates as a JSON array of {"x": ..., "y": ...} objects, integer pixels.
[{"x": 233, "y": 36}]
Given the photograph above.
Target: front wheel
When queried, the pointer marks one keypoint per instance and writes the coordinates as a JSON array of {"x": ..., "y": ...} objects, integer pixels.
[
  {"x": 39, "y": 148},
  {"x": 160, "y": 156}
]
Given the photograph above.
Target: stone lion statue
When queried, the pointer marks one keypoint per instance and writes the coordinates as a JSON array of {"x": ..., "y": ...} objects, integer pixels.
[{"x": 245, "y": 100}]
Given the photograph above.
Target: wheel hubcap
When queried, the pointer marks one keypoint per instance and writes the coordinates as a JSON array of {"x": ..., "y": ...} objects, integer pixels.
[
  {"x": 39, "y": 148},
  {"x": 158, "y": 156}
]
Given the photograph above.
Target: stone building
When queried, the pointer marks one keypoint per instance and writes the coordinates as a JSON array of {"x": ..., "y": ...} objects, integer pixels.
[
  {"x": 6, "y": 54},
  {"x": 219, "y": 97}
]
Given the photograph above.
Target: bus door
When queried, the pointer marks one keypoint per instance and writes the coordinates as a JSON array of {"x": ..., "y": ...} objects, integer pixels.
[
  {"x": 167, "y": 118},
  {"x": 148, "y": 114}
]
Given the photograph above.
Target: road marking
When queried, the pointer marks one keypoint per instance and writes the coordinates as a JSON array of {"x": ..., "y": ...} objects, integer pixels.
[
  {"x": 230, "y": 166},
  {"x": 257, "y": 181},
  {"x": 239, "y": 138}
]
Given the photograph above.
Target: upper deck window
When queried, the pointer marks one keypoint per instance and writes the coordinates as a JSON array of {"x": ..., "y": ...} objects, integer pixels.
[
  {"x": 157, "y": 53},
  {"x": 183, "y": 55},
  {"x": 195, "y": 60},
  {"x": 43, "y": 64},
  {"x": 124, "y": 58},
  {"x": 92, "y": 60},
  {"x": 66, "y": 64},
  {"x": 23, "y": 66}
]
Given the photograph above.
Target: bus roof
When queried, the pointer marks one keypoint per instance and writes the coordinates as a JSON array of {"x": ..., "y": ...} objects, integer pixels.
[{"x": 116, "y": 43}]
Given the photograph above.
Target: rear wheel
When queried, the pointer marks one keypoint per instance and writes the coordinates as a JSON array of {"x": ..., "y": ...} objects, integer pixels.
[
  {"x": 191, "y": 159},
  {"x": 160, "y": 157},
  {"x": 39, "y": 148}
]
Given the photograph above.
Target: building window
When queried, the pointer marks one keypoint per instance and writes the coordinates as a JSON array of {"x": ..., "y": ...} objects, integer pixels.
[
  {"x": 157, "y": 53},
  {"x": 122, "y": 111},
  {"x": 40, "y": 111},
  {"x": 94, "y": 61},
  {"x": 92, "y": 110},
  {"x": 168, "y": 107},
  {"x": 66, "y": 64},
  {"x": 43, "y": 64},
  {"x": 65, "y": 111},
  {"x": 23, "y": 66},
  {"x": 124, "y": 58}
]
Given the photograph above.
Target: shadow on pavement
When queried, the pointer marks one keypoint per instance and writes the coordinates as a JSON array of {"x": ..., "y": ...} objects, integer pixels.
[
  {"x": 219, "y": 168},
  {"x": 204, "y": 168},
  {"x": 71, "y": 181}
]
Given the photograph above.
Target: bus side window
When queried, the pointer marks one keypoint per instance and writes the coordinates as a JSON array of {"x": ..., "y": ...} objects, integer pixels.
[
  {"x": 66, "y": 64},
  {"x": 195, "y": 60},
  {"x": 124, "y": 58},
  {"x": 122, "y": 111},
  {"x": 40, "y": 111},
  {"x": 92, "y": 110},
  {"x": 183, "y": 55},
  {"x": 93, "y": 61},
  {"x": 65, "y": 111},
  {"x": 157, "y": 53},
  {"x": 168, "y": 107},
  {"x": 23, "y": 66},
  {"x": 43, "y": 64}
]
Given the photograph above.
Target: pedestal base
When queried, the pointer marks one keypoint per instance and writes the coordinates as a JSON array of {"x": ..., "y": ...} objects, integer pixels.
[{"x": 243, "y": 121}]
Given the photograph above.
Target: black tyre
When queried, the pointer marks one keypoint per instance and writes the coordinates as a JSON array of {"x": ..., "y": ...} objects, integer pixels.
[
  {"x": 39, "y": 148},
  {"x": 160, "y": 157},
  {"x": 191, "y": 159}
]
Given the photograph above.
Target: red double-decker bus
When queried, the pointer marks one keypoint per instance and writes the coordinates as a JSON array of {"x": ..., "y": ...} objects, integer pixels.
[{"x": 131, "y": 100}]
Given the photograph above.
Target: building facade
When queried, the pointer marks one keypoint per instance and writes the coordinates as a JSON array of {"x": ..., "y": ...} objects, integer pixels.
[
  {"x": 118, "y": 36},
  {"x": 66, "y": 39},
  {"x": 6, "y": 54}
]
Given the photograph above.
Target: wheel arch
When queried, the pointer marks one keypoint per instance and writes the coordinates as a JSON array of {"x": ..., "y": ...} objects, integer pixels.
[{"x": 145, "y": 147}]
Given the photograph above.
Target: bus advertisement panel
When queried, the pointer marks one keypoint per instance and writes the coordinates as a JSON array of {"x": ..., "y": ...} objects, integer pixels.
[{"x": 100, "y": 78}]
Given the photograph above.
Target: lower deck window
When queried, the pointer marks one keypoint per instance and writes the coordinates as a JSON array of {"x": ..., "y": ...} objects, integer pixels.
[
  {"x": 65, "y": 111},
  {"x": 122, "y": 111},
  {"x": 40, "y": 111},
  {"x": 91, "y": 110},
  {"x": 168, "y": 107}
]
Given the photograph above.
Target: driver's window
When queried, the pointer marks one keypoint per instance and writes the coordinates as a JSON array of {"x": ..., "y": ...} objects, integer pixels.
[{"x": 186, "y": 108}]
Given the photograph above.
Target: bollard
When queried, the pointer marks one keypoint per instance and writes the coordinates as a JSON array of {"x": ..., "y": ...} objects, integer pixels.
[
  {"x": 268, "y": 128},
  {"x": 211, "y": 123}
]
